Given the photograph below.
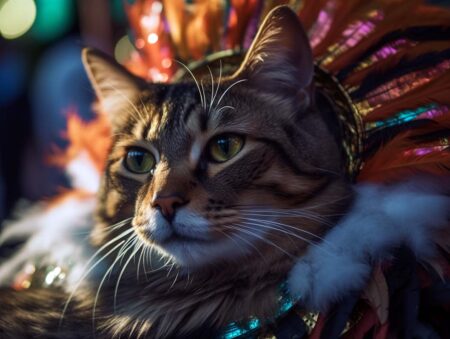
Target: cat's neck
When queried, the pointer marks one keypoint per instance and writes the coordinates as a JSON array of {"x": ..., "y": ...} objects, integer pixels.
[{"x": 208, "y": 298}]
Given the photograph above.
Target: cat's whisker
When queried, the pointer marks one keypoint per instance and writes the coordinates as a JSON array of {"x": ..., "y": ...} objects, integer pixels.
[
  {"x": 300, "y": 212},
  {"x": 160, "y": 268},
  {"x": 130, "y": 242},
  {"x": 290, "y": 215},
  {"x": 87, "y": 270},
  {"x": 259, "y": 208},
  {"x": 303, "y": 209},
  {"x": 107, "y": 273},
  {"x": 118, "y": 237},
  {"x": 139, "y": 262},
  {"x": 289, "y": 233},
  {"x": 143, "y": 257},
  {"x": 296, "y": 229},
  {"x": 202, "y": 99},
  {"x": 137, "y": 117},
  {"x": 118, "y": 225},
  {"x": 124, "y": 268},
  {"x": 291, "y": 227},
  {"x": 224, "y": 107},
  {"x": 243, "y": 239},
  {"x": 271, "y": 227},
  {"x": 228, "y": 88},
  {"x": 204, "y": 95},
  {"x": 303, "y": 212},
  {"x": 175, "y": 279},
  {"x": 144, "y": 106},
  {"x": 248, "y": 230},
  {"x": 212, "y": 90},
  {"x": 150, "y": 250},
  {"x": 170, "y": 269},
  {"x": 342, "y": 198},
  {"x": 148, "y": 258},
  {"x": 66, "y": 305},
  {"x": 218, "y": 85},
  {"x": 128, "y": 100}
]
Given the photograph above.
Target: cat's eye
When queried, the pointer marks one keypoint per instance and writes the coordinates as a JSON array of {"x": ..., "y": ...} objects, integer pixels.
[
  {"x": 139, "y": 160},
  {"x": 224, "y": 147}
]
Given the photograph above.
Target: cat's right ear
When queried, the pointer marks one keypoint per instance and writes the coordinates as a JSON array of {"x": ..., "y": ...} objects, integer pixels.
[
  {"x": 116, "y": 88},
  {"x": 280, "y": 62}
]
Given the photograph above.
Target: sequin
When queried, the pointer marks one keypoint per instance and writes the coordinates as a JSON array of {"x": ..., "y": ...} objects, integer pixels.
[
  {"x": 422, "y": 151},
  {"x": 427, "y": 111}
]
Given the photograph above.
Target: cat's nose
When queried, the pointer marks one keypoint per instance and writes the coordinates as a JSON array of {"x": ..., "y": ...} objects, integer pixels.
[{"x": 168, "y": 204}]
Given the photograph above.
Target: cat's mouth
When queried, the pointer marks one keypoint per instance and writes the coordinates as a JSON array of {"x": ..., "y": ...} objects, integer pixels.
[
  {"x": 188, "y": 239},
  {"x": 186, "y": 227},
  {"x": 176, "y": 237}
]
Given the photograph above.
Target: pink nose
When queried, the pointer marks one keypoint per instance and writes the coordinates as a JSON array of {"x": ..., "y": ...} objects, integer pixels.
[{"x": 168, "y": 204}]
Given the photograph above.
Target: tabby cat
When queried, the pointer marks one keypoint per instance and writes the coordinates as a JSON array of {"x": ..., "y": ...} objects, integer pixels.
[{"x": 213, "y": 187}]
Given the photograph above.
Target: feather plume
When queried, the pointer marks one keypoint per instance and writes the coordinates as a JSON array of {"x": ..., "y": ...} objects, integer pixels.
[
  {"x": 394, "y": 20},
  {"x": 411, "y": 36},
  {"x": 402, "y": 156},
  {"x": 377, "y": 295},
  {"x": 407, "y": 52},
  {"x": 435, "y": 91},
  {"x": 310, "y": 10}
]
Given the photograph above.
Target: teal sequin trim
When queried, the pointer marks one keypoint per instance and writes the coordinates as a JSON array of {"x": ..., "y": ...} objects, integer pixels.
[
  {"x": 235, "y": 330},
  {"x": 402, "y": 117},
  {"x": 252, "y": 325}
]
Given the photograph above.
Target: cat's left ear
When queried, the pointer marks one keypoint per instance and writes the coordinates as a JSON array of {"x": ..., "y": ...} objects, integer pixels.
[
  {"x": 116, "y": 88},
  {"x": 280, "y": 59}
]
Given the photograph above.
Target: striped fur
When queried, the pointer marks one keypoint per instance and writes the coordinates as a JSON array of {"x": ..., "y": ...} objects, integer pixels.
[{"x": 243, "y": 221}]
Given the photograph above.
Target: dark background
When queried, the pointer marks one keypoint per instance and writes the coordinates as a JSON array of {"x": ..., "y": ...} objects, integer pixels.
[{"x": 41, "y": 78}]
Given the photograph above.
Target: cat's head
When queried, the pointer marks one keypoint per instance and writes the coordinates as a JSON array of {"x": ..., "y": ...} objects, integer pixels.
[{"x": 212, "y": 172}]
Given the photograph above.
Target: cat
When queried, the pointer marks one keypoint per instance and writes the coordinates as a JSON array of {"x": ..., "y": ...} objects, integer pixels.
[{"x": 223, "y": 184}]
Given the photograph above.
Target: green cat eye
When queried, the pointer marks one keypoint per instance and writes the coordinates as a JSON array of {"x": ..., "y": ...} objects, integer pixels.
[
  {"x": 139, "y": 160},
  {"x": 225, "y": 147}
]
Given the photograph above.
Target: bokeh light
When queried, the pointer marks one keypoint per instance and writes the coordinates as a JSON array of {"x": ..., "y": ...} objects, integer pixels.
[
  {"x": 54, "y": 18},
  {"x": 123, "y": 49},
  {"x": 152, "y": 38},
  {"x": 16, "y": 17}
]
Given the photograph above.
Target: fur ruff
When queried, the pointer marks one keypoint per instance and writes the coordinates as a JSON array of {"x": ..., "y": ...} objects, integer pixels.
[{"x": 382, "y": 219}]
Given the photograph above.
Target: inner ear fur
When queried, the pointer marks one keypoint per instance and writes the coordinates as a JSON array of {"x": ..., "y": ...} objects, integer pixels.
[
  {"x": 116, "y": 88},
  {"x": 280, "y": 59}
]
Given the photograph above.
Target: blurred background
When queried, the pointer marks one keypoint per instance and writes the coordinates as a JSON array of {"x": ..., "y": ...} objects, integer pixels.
[{"x": 42, "y": 80}]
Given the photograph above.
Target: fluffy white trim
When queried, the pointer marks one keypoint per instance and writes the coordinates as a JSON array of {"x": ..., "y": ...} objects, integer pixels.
[
  {"x": 381, "y": 219},
  {"x": 83, "y": 174},
  {"x": 54, "y": 235}
]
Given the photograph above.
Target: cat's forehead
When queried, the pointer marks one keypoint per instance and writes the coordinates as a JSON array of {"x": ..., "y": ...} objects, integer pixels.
[{"x": 177, "y": 117}]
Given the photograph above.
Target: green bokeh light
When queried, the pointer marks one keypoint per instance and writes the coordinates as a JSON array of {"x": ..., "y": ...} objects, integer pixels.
[{"x": 54, "y": 18}]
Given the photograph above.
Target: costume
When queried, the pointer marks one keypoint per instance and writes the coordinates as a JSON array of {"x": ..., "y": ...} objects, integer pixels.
[{"x": 386, "y": 66}]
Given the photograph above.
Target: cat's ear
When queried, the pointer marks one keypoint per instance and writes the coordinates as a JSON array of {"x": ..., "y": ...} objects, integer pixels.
[
  {"x": 280, "y": 59},
  {"x": 116, "y": 88}
]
